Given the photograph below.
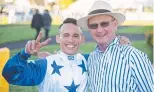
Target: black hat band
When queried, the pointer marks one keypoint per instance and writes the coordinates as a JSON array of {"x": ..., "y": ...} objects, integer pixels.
[{"x": 98, "y": 11}]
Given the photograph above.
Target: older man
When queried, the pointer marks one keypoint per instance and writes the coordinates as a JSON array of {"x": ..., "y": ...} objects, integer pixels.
[{"x": 114, "y": 67}]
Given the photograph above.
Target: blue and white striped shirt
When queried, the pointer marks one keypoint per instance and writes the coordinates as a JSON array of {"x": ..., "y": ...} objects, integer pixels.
[{"x": 120, "y": 68}]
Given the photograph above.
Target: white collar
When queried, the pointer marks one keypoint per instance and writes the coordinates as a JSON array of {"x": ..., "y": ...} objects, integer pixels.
[{"x": 69, "y": 57}]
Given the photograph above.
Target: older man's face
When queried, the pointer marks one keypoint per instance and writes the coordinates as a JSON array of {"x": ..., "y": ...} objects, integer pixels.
[{"x": 102, "y": 28}]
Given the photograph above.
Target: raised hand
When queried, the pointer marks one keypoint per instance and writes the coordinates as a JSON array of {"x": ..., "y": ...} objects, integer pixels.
[{"x": 33, "y": 46}]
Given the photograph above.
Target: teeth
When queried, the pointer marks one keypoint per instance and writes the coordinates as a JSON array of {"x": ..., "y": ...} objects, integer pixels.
[{"x": 70, "y": 46}]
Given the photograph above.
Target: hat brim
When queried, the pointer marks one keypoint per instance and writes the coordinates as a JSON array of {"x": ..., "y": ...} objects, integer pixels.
[{"x": 82, "y": 22}]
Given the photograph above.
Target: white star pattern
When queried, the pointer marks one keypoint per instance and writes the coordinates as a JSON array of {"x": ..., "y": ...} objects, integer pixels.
[{"x": 65, "y": 75}]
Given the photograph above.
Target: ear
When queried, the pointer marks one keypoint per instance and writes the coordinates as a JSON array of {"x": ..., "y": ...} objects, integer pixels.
[
  {"x": 58, "y": 38},
  {"x": 82, "y": 39},
  {"x": 115, "y": 25}
]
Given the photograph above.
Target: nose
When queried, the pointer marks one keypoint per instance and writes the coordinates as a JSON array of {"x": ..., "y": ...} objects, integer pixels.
[
  {"x": 70, "y": 39},
  {"x": 99, "y": 29}
]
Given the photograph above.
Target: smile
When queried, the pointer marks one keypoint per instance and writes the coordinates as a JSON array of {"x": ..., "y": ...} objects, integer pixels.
[{"x": 70, "y": 46}]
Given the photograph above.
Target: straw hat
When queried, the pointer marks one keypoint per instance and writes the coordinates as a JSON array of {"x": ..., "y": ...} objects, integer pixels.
[{"x": 100, "y": 8}]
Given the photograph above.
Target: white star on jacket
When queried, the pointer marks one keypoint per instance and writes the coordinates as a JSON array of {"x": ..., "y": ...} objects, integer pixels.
[{"x": 65, "y": 73}]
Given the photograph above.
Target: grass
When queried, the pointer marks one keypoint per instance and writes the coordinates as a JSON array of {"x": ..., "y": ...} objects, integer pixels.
[
  {"x": 136, "y": 30},
  {"x": 144, "y": 47},
  {"x": 85, "y": 48},
  {"x": 11, "y": 33},
  {"x": 13, "y": 88}
]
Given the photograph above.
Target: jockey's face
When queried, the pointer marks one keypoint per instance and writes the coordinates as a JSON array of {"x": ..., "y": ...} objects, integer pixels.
[{"x": 70, "y": 38}]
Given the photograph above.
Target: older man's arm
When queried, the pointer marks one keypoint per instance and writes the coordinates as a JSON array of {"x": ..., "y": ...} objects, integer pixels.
[{"x": 142, "y": 71}]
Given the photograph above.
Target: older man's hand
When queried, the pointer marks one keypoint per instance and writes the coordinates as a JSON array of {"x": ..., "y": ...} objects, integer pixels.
[{"x": 124, "y": 40}]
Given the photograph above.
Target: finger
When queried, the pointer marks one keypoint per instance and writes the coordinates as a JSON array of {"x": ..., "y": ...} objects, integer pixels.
[
  {"x": 46, "y": 42},
  {"x": 126, "y": 40},
  {"x": 129, "y": 42},
  {"x": 123, "y": 38},
  {"x": 122, "y": 42},
  {"x": 33, "y": 44},
  {"x": 38, "y": 39},
  {"x": 28, "y": 46}
]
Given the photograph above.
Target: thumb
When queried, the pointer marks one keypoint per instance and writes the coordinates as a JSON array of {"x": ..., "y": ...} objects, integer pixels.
[{"x": 46, "y": 42}]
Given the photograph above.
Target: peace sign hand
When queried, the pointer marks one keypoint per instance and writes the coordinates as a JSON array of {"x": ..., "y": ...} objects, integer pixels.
[{"x": 33, "y": 47}]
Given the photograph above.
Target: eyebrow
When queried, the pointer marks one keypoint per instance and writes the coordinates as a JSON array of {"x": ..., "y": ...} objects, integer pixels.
[{"x": 64, "y": 33}]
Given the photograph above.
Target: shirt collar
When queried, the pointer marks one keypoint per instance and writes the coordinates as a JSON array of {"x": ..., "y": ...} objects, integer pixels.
[
  {"x": 114, "y": 42},
  {"x": 69, "y": 57}
]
